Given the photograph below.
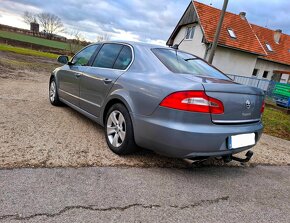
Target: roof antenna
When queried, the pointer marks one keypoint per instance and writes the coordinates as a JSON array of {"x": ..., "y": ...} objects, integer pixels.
[{"x": 175, "y": 46}]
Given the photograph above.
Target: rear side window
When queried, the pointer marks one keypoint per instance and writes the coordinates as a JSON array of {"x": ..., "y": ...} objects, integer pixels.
[
  {"x": 107, "y": 55},
  {"x": 184, "y": 63},
  {"x": 124, "y": 58}
]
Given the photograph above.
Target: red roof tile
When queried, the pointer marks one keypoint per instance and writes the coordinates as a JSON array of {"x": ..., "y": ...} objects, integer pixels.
[
  {"x": 281, "y": 51},
  {"x": 246, "y": 39}
]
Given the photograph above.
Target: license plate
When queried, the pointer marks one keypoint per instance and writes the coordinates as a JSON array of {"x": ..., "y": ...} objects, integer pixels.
[{"x": 242, "y": 140}]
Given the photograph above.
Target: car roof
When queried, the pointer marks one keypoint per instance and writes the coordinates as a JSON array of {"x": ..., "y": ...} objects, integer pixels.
[{"x": 132, "y": 43}]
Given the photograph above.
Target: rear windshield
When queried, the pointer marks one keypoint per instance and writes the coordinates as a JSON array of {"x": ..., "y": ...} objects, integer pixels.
[{"x": 184, "y": 63}]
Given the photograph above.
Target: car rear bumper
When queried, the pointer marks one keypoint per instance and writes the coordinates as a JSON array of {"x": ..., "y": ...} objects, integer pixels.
[{"x": 185, "y": 135}]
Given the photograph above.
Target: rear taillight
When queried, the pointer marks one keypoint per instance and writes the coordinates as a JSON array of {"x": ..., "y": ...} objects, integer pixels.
[
  {"x": 194, "y": 101},
  {"x": 263, "y": 107}
]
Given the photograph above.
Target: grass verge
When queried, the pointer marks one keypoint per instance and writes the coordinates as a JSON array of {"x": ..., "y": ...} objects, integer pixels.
[
  {"x": 34, "y": 40},
  {"x": 277, "y": 123},
  {"x": 25, "y": 51}
]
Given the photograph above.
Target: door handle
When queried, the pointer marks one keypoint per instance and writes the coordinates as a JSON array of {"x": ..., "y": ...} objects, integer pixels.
[
  {"x": 107, "y": 80},
  {"x": 77, "y": 75}
]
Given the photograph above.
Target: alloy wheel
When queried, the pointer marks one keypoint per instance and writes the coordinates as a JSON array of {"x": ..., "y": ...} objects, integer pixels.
[
  {"x": 116, "y": 128},
  {"x": 52, "y": 91}
]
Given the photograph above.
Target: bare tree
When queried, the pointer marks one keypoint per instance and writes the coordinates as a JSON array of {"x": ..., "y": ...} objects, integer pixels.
[
  {"x": 77, "y": 42},
  {"x": 29, "y": 17},
  {"x": 101, "y": 38},
  {"x": 51, "y": 23}
]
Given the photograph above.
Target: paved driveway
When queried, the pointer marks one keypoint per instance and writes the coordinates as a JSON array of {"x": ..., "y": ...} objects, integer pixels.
[{"x": 111, "y": 194}]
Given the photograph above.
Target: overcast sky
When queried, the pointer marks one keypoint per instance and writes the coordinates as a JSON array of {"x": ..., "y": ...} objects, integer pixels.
[{"x": 138, "y": 20}]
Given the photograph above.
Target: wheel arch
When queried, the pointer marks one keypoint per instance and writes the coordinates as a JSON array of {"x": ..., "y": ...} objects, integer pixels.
[
  {"x": 53, "y": 76},
  {"x": 117, "y": 97}
]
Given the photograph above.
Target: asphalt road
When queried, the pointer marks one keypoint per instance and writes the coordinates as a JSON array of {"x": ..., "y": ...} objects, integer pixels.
[{"x": 112, "y": 194}]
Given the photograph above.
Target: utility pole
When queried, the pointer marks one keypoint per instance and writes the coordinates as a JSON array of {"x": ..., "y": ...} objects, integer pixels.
[{"x": 217, "y": 32}]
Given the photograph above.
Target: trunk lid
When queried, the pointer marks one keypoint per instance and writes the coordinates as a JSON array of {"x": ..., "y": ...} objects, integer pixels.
[{"x": 242, "y": 104}]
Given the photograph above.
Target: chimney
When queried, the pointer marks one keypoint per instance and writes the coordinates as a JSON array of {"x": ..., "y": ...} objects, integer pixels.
[
  {"x": 243, "y": 15},
  {"x": 277, "y": 35}
]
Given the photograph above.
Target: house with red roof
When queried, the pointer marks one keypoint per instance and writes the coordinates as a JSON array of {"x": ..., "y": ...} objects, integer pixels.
[{"x": 243, "y": 48}]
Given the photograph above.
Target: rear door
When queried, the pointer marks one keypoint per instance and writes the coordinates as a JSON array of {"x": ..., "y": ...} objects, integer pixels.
[
  {"x": 70, "y": 75},
  {"x": 242, "y": 104},
  {"x": 111, "y": 61}
]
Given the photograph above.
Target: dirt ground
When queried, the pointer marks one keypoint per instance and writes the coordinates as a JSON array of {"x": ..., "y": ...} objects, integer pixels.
[{"x": 34, "y": 133}]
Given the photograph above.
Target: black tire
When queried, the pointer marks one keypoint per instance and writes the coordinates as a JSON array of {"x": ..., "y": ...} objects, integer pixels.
[
  {"x": 54, "y": 100},
  {"x": 128, "y": 144}
]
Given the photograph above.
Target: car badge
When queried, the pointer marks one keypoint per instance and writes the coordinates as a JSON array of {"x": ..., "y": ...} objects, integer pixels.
[{"x": 248, "y": 104}]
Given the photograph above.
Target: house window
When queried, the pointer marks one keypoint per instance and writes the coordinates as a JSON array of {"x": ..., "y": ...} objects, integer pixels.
[
  {"x": 269, "y": 47},
  {"x": 255, "y": 72},
  {"x": 265, "y": 74},
  {"x": 189, "y": 32},
  {"x": 232, "y": 33}
]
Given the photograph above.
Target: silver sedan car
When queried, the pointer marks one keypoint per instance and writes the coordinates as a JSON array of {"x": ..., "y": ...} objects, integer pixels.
[{"x": 159, "y": 98}]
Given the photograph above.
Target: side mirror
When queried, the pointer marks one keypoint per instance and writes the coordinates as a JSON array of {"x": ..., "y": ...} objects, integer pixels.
[{"x": 62, "y": 59}]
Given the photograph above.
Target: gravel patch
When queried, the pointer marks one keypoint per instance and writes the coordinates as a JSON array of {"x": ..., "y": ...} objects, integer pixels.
[{"x": 34, "y": 133}]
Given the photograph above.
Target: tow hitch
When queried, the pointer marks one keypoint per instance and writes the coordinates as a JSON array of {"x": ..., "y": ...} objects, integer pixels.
[
  {"x": 200, "y": 161},
  {"x": 229, "y": 158}
]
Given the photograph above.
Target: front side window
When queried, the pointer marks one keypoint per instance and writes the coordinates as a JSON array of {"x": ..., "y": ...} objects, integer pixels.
[
  {"x": 107, "y": 55},
  {"x": 82, "y": 58},
  {"x": 184, "y": 63}
]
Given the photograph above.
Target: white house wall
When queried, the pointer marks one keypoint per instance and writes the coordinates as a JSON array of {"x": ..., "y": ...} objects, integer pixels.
[
  {"x": 264, "y": 65},
  {"x": 195, "y": 45},
  {"x": 228, "y": 60},
  {"x": 234, "y": 62}
]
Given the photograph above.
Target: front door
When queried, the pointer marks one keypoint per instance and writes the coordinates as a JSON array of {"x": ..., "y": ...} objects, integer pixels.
[
  {"x": 111, "y": 61},
  {"x": 70, "y": 75}
]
